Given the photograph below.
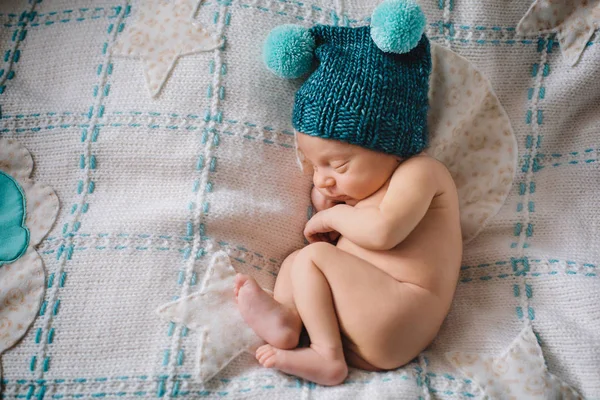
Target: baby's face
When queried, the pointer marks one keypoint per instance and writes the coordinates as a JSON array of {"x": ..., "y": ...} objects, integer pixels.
[{"x": 344, "y": 172}]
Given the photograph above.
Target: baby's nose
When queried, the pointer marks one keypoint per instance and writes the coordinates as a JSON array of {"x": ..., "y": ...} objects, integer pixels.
[{"x": 323, "y": 181}]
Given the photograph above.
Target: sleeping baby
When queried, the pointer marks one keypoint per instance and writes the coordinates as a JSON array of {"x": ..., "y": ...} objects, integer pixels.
[{"x": 378, "y": 277}]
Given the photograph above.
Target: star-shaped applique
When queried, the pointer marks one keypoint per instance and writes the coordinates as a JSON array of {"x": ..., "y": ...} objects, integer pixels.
[
  {"x": 162, "y": 32},
  {"x": 574, "y": 21},
  {"x": 519, "y": 373},
  {"x": 222, "y": 333}
]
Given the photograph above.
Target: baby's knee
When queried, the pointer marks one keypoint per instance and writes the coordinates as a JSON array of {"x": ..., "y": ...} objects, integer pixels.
[
  {"x": 316, "y": 250},
  {"x": 311, "y": 257},
  {"x": 289, "y": 260}
]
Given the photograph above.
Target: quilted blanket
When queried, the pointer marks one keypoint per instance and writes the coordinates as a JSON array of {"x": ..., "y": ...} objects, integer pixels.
[{"x": 165, "y": 148}]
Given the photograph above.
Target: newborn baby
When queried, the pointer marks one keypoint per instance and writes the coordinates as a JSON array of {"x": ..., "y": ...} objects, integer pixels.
[{"x": 378, "y": 296}]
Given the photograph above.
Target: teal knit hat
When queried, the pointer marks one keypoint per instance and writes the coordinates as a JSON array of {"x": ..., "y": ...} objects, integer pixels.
[{"x": 370, "y": 87}]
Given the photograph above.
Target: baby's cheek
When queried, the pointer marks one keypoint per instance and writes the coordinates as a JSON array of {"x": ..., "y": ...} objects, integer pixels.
[{"x": 349, "y": 184}]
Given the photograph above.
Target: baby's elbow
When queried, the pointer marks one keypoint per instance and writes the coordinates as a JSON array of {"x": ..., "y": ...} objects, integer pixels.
[
  {"x": 386, "y": 243},
  {"x": 384, "y": 238}
]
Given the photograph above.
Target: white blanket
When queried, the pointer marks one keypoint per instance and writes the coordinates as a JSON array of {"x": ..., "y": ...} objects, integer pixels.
[{"x": 209, "y": 164}]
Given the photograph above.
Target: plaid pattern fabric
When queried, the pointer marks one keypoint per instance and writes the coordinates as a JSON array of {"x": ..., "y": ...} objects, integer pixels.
[{"x": 150, "y": 186}]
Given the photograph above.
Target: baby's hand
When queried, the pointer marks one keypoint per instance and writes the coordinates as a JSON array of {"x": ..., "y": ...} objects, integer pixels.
[
  {"x": 317, "y": 230},
  {"x": 319, "y": 201}
]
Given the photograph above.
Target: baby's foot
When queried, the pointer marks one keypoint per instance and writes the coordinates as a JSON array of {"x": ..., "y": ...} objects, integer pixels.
[
  {"x": 273, "y": 322},
  {"x": 307, "y": 363}
]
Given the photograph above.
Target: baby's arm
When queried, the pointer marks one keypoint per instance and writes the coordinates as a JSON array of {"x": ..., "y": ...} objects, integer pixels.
[
  {"x": 321, "y": 203},
  {"x": 412, "y": 188}
]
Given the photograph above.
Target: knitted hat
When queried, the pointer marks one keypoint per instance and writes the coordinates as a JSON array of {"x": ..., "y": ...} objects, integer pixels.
[{"x": 370, "y": 87}]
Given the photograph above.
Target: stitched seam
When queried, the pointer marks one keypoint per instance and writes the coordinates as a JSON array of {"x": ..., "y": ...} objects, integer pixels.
[
  {"x": 549, "y": 262},
  {"x": 339, "y": 10},
  {"x": 111, "y": 380},
  {"x": 122, "y": 386},
  {"x": 209, "y": 140},
  {"x": 554, "y": 272},
  {"x": 244, "y": 130},
  {"x": 543, "y": 269},
  {"x": 286, "y": 9},
  {"x": 587, "y": 156},
  {"x": 448, "y": 27},
  {"x": 482, "y": 272},
  {"x": 40, "y": 20},
  {"x": 139, "y": 386},
  {"x": 445, "y": 383},
  {"x": 524, "y": 230},
  {"x": 279, "y": 7},
  {"x": 421, "y": 379},
  {"x": 147, "y": 239},
  {"x": 12, "y": 56},
  {"x": 65, "y": 252},
  {"x": 354, "y": 378}
]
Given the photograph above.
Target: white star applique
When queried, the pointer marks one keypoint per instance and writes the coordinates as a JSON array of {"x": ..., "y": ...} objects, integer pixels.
[
  {"x": 574, "y": 22},
  {"x": 222, "y": 333},
  {"x": 519, "y": 373},
  {"x": 163, "y": 32}
]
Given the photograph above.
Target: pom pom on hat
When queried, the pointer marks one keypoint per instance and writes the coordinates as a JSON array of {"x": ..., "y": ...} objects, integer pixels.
[
  {"x": 397, "y": 25},
  {"x": 289, "y": 51}
]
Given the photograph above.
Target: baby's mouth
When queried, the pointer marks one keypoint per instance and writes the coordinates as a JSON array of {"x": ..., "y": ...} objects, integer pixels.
[{"x": 339, "y": 198}]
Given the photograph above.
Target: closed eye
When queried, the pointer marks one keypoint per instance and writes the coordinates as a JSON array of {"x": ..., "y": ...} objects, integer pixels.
[{"x": 342, "y": 167}]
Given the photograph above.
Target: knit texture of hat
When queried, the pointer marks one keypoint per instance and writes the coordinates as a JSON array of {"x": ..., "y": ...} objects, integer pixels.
[{"x": 363, "y": 96}]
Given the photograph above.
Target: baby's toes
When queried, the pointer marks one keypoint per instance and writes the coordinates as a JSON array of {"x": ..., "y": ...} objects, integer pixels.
[
  {"x": 269, "y": 362},
  {"x": 240, "y": 279},
  {"x": 261, "y": 350},
  {"x": 266, "y": 355}
]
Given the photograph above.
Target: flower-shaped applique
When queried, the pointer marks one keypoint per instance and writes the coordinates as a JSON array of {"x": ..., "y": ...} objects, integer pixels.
[
  {"x": 27, "y": 212},
  {"x": 574, "y": 22}
]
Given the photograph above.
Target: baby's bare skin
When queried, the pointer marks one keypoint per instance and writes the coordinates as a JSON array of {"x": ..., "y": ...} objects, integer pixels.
[{"x": 376, "y": 299}]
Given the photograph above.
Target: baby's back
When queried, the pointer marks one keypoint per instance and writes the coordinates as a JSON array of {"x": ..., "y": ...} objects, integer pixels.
[{"x": 431, "y": 254}]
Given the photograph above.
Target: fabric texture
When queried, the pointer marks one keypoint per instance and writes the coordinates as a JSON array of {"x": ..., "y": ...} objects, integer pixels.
[
  {"x": 384, "y": 109},
  {"x": 150, "y": 188}
]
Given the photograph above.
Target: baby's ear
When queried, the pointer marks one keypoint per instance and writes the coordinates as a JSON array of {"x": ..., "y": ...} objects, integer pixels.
[
  {"x": 305, "y": 166},
  {"x": 397, "y": 25},
  {"x": 288, "y": 51}
]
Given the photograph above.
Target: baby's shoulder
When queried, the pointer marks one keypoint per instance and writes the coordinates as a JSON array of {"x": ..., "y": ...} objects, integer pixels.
[
  {"x": 423, "y": 166},
  {"x": 423, "y": 174}
]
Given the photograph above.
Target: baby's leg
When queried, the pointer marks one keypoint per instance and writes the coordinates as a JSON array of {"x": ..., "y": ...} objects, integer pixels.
[
  {"x": 276, "y": 321},
  {"x": 323, "y": 275}
]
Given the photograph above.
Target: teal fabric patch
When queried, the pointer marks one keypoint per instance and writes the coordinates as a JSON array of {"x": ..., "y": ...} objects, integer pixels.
[{"x": 14, "y": 235}]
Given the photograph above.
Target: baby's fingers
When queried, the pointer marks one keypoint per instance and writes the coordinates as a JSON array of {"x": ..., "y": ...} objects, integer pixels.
[{"x": 315, "y": 237}]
